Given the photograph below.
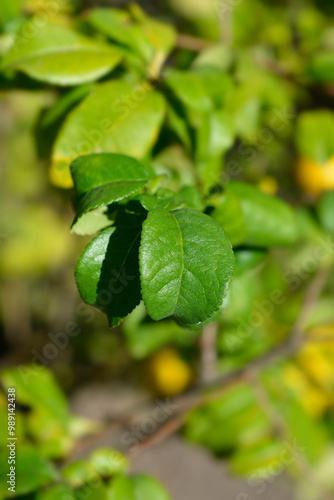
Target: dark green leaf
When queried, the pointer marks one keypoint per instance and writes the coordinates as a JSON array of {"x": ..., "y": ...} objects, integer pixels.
[
  {"x": 107, "y": 273},
  {"x": 186, "y": 264},
  {"x": 102, "y": 179}
]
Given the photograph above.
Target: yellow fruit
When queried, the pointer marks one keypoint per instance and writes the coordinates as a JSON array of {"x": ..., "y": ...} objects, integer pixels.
[
  {"x": 317, "y": 357},
  {"x": 268, "y": 185},
  {"x": 60, "y": 176},
  {"x": 313, "y": 399},
  {"x": 313, "y": 177},
  {"x": 169, "y": 374}
]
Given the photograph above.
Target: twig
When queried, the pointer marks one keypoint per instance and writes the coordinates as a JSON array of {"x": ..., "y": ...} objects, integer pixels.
[
  {"x": 192, "y": 43},
  {"x": 192, "y": 400},
  {"x": 208, "y": 351}
]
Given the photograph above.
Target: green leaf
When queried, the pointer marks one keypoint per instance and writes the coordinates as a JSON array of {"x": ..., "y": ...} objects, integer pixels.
[
  {"x": 137, "y": 487},
  {"x": 37, "y": 388},
  {"x": 58, "y": 492},
  {"x": 60, "y": 56},
  {"x": 92, "y": 491},
  {"x": 315, "y": 135},
  {"x": 222, "y": 133},
  {"x": 269, "y": 220},
  {"x": 246, "y": 259},
  {"x": 258, "y": 458},
  {"x": 102, "y": 179},
  {"x": 65, "y": 103},
  {"x": 189, "y": 89},
  {"x": 149, "y": 38},
  {"x": 326, "y": 211},
  {"x": 107, "y": 273},
  {"x": 228, "y": 213},
  {"x": 78, "y": 473},
  {"x": 321, "y": 67},
  {"x": 108, "y": 462},
  {"x": 217, "y": 84},
  {"x": 111, "y": 119},
  {"x": 215, "y": 56},
  {"x": 186, "y": 264},
  {"x": 32, "y": 471}
]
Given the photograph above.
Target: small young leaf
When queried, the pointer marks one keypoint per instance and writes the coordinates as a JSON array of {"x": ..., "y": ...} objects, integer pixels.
[
  {"x": 186, "y": 264},
  {"x": 102, "y": 179},
  {"x": 107, "y": 273},
  {"x": 60, "y": 56}
]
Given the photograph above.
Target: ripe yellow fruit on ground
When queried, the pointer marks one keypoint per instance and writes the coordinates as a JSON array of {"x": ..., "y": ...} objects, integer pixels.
[
  {"x": 169, "y": 374},
  {"x": 313, "y": 177}
]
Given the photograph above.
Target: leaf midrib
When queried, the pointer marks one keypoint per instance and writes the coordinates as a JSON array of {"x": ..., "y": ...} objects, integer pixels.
[
  {"x": 63, "y": 50},
  {"x": 182, "y": 260}
]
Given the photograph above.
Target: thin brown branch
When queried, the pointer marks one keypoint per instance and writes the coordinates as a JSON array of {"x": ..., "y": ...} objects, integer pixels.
[{"x": 193, "y": 43}]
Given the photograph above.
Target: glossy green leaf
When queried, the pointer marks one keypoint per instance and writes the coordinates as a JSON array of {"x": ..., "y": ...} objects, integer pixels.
[
  {"x": 111, "y": 119},
  {"x": 107, "y": 273},
  {"x": 186, "y": 264},
  {"x": 137, "y": 487},
  {"x": 60, "y": 56},
  {"x": 32, "y": 471},
  {"x": 102, "y": 179},
  {"x": 269, "y": 220},
  {"x": 326, "y": 211},
  {"x": 315, "y": 135}
]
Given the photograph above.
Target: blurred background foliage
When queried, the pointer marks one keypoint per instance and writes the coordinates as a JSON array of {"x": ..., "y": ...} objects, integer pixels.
[{"x": 273, "y": 96}]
